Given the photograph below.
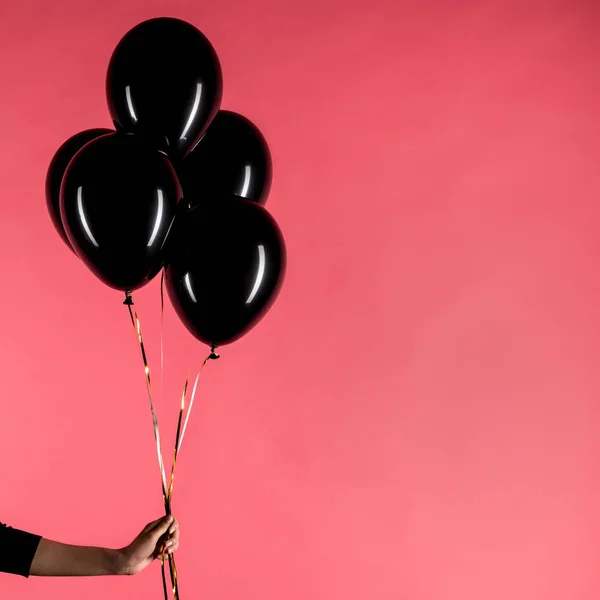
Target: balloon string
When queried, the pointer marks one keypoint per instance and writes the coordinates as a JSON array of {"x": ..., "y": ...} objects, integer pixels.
[
  {"x": 162, "y": 322},
  {"x": 167, "y": 501},
  {"x": 179, "y": 436},
  {"x": 138, "y": 331},
  {"x": 181, "y": 430},
  {"x": 164, "y": 579},
  {"x": 176, "y": 450},
  {"x": 187, "y": 417},
  {"x": 189, "y": 412}
]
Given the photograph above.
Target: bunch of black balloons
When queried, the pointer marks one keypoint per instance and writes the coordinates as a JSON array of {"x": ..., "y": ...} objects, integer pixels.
[{"x": 178, "y": 184}]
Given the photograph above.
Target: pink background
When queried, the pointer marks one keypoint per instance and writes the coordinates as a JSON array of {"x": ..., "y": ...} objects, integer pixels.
[{"x": 417, "y": 418}]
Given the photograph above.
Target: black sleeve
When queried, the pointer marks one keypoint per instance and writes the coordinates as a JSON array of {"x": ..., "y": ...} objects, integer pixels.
[{"x": 17, "y": 549}]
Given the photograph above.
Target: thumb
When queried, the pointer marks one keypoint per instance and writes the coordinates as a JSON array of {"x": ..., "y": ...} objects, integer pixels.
[
  {"x": 161, "y": 528},
  {"x": 152, "y": 525}
]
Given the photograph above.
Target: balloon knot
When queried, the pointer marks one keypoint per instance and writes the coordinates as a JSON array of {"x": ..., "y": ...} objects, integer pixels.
[
  {"x": 213, "y": 354},
  {"x": 128, "y": 299}
]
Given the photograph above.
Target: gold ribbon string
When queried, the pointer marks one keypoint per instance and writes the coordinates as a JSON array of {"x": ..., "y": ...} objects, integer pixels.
[
  {"x": 175, "y": 451},
  {"x": 167, "y": 492},
  {"x": 173, "y": 570},
  {"x": 212, "y": 355},
  {"x": 164, "y": 578},
  {"x": 162, "y": 328},
  {"x": 138, "y": 331},
  {"x": 181, "y": 431},
  {"x": 187, "y": 418}
]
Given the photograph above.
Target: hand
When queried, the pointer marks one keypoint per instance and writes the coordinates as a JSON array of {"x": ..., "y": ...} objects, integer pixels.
[{"x": 159, "y": 537}]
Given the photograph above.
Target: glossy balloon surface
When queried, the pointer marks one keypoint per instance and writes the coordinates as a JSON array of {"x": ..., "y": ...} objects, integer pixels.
[
  {"x": 58, "y": 165},
  {"x": 231, "y": 159},
  {"x": 225, "y": 268},
  {"x": 118, "y": 201},
  {"x": 164, "y": 82}
]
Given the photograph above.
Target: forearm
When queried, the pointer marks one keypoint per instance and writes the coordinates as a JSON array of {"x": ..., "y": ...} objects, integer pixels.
[{"x": 64, "y": 560}]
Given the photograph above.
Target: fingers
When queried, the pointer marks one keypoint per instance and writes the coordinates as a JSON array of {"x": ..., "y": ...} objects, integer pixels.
[
  {"x": 174, "y": 536},
  {"x": 174, "y": 529},
  {"x": 164, "y": 534},
  {"x": 172, "y": 543},
  {"x": 169, "y": 547}
]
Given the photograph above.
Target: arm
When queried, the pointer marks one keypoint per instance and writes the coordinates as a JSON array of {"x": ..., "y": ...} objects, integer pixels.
[{"x": 57, "y": 559}]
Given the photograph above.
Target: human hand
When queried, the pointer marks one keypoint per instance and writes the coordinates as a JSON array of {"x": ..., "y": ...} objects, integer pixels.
[{"x": 159, "y": 537}]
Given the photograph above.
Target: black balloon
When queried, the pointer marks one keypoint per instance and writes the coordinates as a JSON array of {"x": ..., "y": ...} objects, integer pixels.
[
  {"x": 118, "y": 201},
  {"x": 225, "y": 268},
  {"x": 58, "y": 165},
  {"x": 231, "y": 159},
  {"x": 164, "y": 81}
]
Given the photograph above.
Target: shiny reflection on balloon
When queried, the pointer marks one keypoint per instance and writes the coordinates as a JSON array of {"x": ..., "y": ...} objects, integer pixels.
[
  {"x": 159, "y": 213},
  {"x": 260, "y": 273},
  {"x": 246, "y": 184},
  {"x": 188, "y": 285},
  {"x": 82, "y": 218},
  {"x": 130, "y": 103},
  {"x": 193, "y": 111}
]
